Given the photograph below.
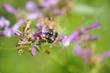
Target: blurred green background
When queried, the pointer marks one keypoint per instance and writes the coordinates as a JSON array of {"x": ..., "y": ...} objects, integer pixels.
[{"x": 61, "y": 60}]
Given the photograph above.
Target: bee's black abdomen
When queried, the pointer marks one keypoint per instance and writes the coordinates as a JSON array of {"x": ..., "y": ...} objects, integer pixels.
[
  {"x": 51, "y": 35},
  {"x": 50, "y": 40}
]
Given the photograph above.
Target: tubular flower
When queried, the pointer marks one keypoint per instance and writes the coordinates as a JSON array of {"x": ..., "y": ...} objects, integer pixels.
[
  {"x": 33, "y": 50},
  {"x": 17, "y": 25},
  {"x": 32, "y": 11},
  {"x": 39, "y": 26},
  {"x": 4, "y": 23},
  {"x": 4, "y": 26},
  {"x": 48, "y": 3},
  {"x": 84, "y": 54},
  {"x": 8, "y": 31},
  {"x": 88, "y": 56},
  {"x": 57, "y": 7},
  {"x": 104, "y": 56},
  {"x": 80, "y": 35},
  {"x": 10, "y": 9},
  {"x": 31, "y": 6}
]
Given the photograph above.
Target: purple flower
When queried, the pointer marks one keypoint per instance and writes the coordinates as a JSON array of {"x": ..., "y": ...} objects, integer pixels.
[
  {"x": 74, "y": 37},
  {"x": 37, "y": 35},
  {"x": 65, "y": 41},
  {"x": 69, "y": 39},
  {"x": 10, "y": 9},
  {"x": 90, "y": 38},
  {"x": 33, "y": 50},
  {"x": 39, "y": 26},
  {"x": 7, "y": 32},
  {"x": 48, "y": 3},
  {"x": 4, "y": 25},
  {"x": 80, "y": 35},
  {"x": 84, "y": 54},
  {"x": 77, "y": 50},
  {"x": 33, "y": 15},
  {"x": 4, "y": 22},
  {"x": 104, "y": 56},
  {"x": 93, "y": 26},
  {"x": 31, "y": 6},
  {"x": 33, "y": 12},
  {"x": 87, "y": 55},
  {"x": 18, "y": 33},
  {"x": 17, "y": 25},
  {"x": 83, "y": 30},
  {"x": 1, "y": 33},
  {"x": 57, "y": 12}
]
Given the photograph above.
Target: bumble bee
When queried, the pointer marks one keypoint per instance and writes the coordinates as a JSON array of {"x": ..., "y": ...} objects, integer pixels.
[
  {"x": 39, "y": 38},
  {"x": 49, "y": 33}
]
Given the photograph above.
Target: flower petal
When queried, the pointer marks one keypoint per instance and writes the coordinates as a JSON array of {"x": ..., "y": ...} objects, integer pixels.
[
  {"x": 39, "y": 26},
  {"x": 104, "y": 56},
  {"x": 7, "y": 32},
  {"x": 31, "y": 6},
  {"x": 4, "y": 22},
  {"x": 10, "y": 9},
  {"x": 33, "y": 50},
  {"x": 17, "y": 25},
  {"x": 78, "y": 51},
  {"x": 93, "y": 26}
]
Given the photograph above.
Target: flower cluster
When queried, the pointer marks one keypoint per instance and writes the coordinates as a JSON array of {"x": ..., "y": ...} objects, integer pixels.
[
  {"x": 57, "y": 7},
  {"x": 44, "y": 8},
  {"x": 84, "y": 48},
  {"x": 44, "y": 35},
  {"x": 26, "y": 39},
  {"x": 89, "y": 56},
  {"x": 32, "y": 11},
  {"x": 80, "y": 36},
  {"x": 8, "y": 31},
  {"x": 45, "y": 32}
]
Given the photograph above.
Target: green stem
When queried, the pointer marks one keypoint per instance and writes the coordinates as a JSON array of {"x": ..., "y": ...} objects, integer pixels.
[{"x": 96, "y": 68}]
